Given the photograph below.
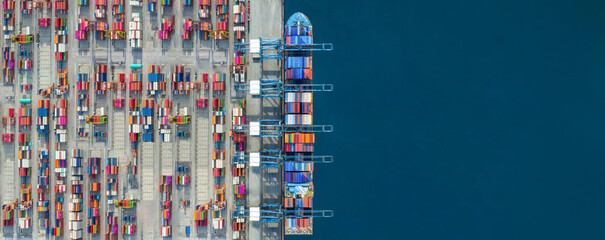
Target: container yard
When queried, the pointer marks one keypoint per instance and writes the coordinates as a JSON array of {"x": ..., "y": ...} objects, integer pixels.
[{"x": 186, "y": 119}]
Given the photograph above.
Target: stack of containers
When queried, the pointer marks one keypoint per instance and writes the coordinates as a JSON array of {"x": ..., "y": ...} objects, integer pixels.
[
  {"x": 26, "y": 6},
  {"x": 180, "y": 81},
  {"x": 200, "y": 216},
  {"x": 61, "y": 6},
  {"x": 183, "y": 177},
  {"x": 25, "y": 118},
  {"x": 239, "y": 228},
  {"x": 137, "y": 3},
  {"x": 218, "y": 222},
  {"x": 187, "y": 3},
  {"x": 60, "y": 174},
  {"x": 239, "y": 12},
  {"x": 141, "y": 120},
  {"x": 155, "y": 80},
  {"x": 118, "y": 102},
  {"x": 163, "y": 115},
  {"x": 188, "y": 27},
  {"x": 9, "y": 23},
  {"x": 239, "y": 118},
  {"x": 222, "y": 24},
  {"x": 44, "y": 22},
  {"x": 82, "y": 31},
  {"x": 24, "y": 156},
  {"x": 201, "y": 102},
  {"x": 61, "y": 45},
  {"x": 94, "y": 186},
  {"x": 117, "y": 32},
  {"x": 239, "y": 169},
  {"x": 147, "y": 116},
  {"x": 61, "y": 121},
  {"x": 129, "y": 229},
  {"x": 239, "y": 76},
  {"x": 43, "y": 180},
  {"x": 100, "y": 9},
  {"x": 134, "y": 31},
  {"x": 166, "y": 28},
  {"x": 9, "y": 121},
  {"x": 298, "y": 110},
  {"x": 151, "y": 5},
  {"x": 8, "y": 5},
  {"x": 101, "y": 79},
  {"x": 166, "y": 3},
  {"x": 239, "y": 58},
  {"x": 240, "y": 31},
  {"x": 101, "y": 30},
  {"x": 218, "y": 83},
  {"x": 25, "y": 64},
  {"x": 120, "y": 84},
  {"x": 166, "y": 203},
  {"x": 111, "y": 193},
  {"x": 183, "y": 117},
  {"x": 82, "y": 107},
  {"x": 77, "y": 199},
  {"x": 135, "y": 83},
  {"x": 218, "y": 162},
  {"x": 8, "y": 215},
  {"x": 112, "y": 227},
  {"x": 83, "y": 3},
  {"x": 204, "y": 29},
  {"x": 9, "y": 65},
  {"x": 118, "y": 7},
  {"x": 42, "y": 121},
  {"x": 218, "y": 136},
  {"x": 298, "y": 105},
  {"x": 83, "y": 83}
]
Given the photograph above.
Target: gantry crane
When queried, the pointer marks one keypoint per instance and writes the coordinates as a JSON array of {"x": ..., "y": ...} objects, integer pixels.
[
  {"x": 275, "y": 87},
  {"x": 275, "y": 128},
  {"x": 275, "y": 158},
  {"x": 275, "y": 213}
]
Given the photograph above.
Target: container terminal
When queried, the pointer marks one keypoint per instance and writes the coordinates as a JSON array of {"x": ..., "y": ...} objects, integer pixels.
[{"x": 158, "y": 119}]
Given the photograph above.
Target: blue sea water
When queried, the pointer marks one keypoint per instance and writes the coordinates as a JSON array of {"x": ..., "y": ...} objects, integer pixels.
[{"x": 460, "y": 119}]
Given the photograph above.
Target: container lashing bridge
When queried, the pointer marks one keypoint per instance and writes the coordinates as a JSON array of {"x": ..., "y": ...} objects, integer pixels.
[
  {"x": 271, "y": 158},
  {"x": 275, "y": 128},
  {"x": 269, "y": 88},
  {"x": 275, "y": 213}
]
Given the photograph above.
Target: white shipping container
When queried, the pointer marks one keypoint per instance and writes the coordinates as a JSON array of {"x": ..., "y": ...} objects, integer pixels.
[
  {"x": 24, "y": 223},
  {"x": 62, "y": 137},
  {"x": 75, "y": 216},
  {"x": 60, "y": 155},
  {"x": 166, "y": 231},
  {"x": 238, "y": 112},
  {"x": 24, "y": 163},
  {"x": 76, "y": 234},
  {"x": 217, "y": 128},
  {"x": 75, "y": 225},
  {"x": 218, "y": 164}
]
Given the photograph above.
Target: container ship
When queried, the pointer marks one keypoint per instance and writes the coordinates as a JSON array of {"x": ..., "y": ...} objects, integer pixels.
[{"x": 298, "y": 110}]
